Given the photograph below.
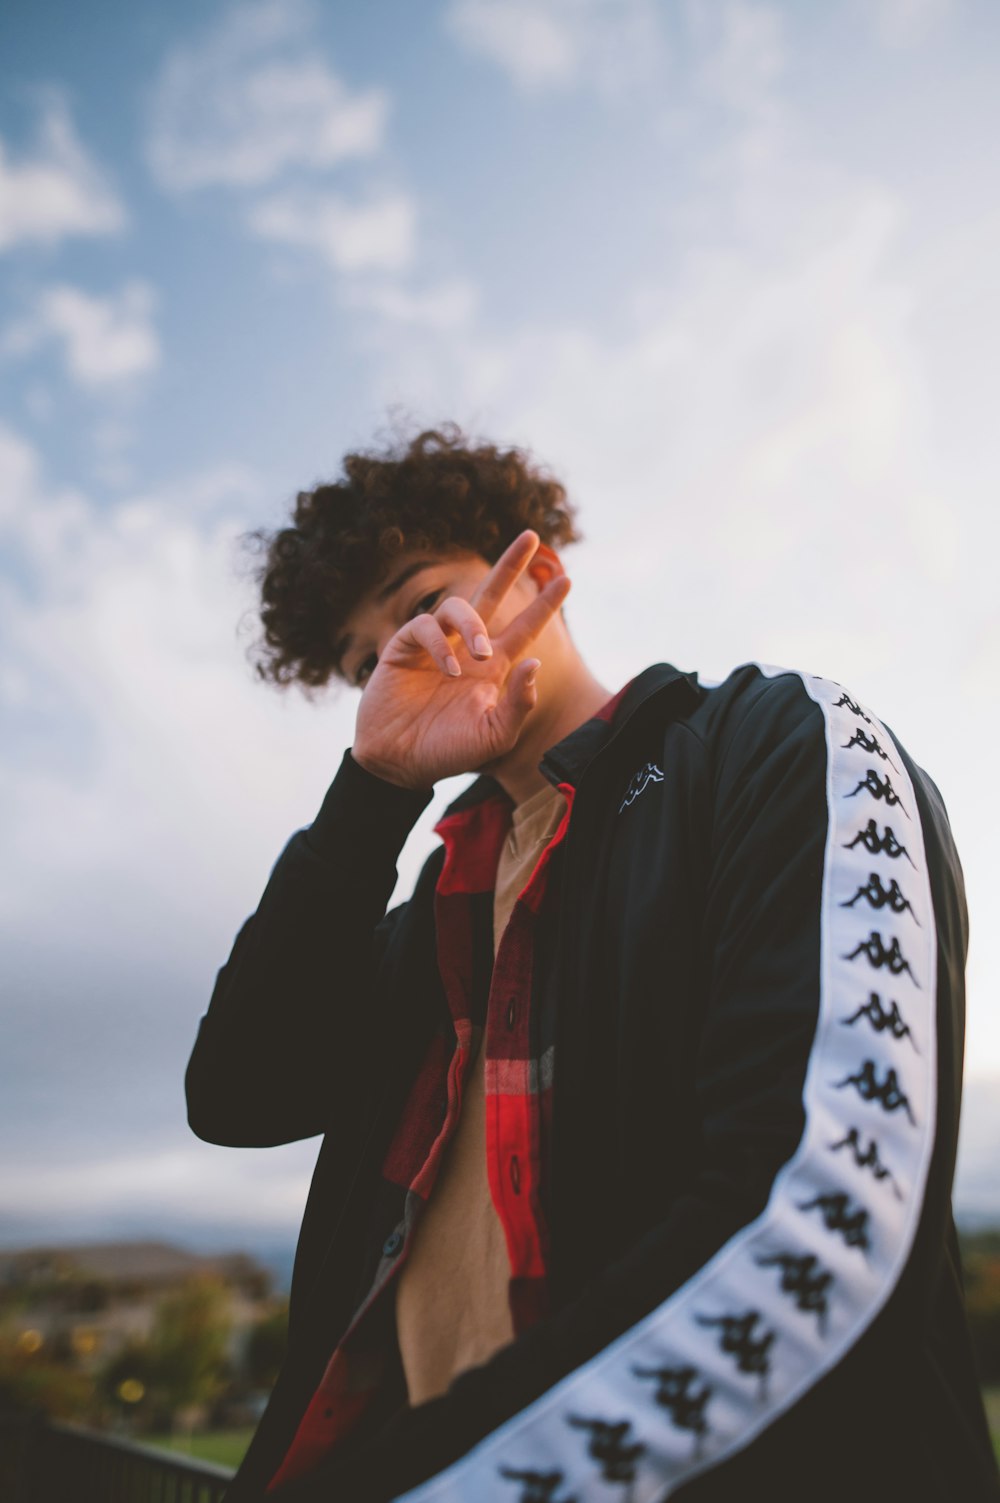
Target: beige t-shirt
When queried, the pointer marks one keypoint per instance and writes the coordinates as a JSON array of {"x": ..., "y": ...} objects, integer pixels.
[{"x": 452, "y": 1309}]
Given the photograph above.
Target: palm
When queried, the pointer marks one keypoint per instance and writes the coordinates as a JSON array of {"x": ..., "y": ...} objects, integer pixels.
[
  {"x": 431, "y": 721},
  {"x": 417, "y": 723}
]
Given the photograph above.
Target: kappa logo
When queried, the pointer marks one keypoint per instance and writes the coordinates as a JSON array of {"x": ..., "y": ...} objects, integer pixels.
[
  {"x": 640, "y": 782},
  {"x": 745, "y": 1339},
  {"x": 840, "y": 1216},
  {"x": 679, "y": 1391},
  {"x": 886, "y": 1092},
  {"x": 607, "y": 1447},
  {"x": 805, "y": 1280},
  {"x": 867, "y": 1158},
  {"x": 537, "y": 1487}
]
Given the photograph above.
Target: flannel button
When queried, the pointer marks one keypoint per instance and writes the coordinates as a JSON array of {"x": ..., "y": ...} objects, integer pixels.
[
  {"x": 392, "y": 1244},
  {"x": 510, "y": 1014}
]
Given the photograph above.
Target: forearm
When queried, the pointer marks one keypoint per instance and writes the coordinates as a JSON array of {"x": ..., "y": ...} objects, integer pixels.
[{"x": 279, "y": 1046}]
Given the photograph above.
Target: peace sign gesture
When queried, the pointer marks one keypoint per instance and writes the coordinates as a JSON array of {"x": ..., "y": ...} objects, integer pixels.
[{"x": 445, "y": 696}]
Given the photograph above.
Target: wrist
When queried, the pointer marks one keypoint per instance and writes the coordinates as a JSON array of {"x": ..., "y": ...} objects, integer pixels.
[
  {"x": 388, "y": 774},
  {"x": 361, "y": 806}
]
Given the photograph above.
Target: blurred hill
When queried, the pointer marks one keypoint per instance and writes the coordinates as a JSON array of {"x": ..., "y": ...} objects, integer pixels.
[{"x": 977, "y": 1176}]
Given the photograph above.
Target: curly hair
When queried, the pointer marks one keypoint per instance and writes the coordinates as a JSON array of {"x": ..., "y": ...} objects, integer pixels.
[{"x": 437, "y": 491}]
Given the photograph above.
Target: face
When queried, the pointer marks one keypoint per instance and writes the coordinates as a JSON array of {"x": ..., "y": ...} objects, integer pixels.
[{"x": 418, "y": 582}]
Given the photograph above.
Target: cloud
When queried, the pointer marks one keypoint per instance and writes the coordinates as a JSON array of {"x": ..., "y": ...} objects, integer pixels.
[
  {"x": 57, "y": 190},
  {"x": 750, "y": 373},
  {"x": 148, "y": 783},
  {"x": 191, "y": 1185},
  {"x": 744, "y": 53},
  {"x": 18, "y": 472},
  {"x": 734, "y": 54},
  {"x": 255, "y": 109},
  {"x": 351, "y": 237},
  {"x": 535, "y": 46},
  {"x": 448, "y": 305},
  {"x": 34, "y": 522},
  {"x": 128, "y": 612},
  {"x": 252, "y": 101},
  {"x": 562, "y": 44},
  {"x": 906, "y": 23},
  {"x": 107, "y": 342}
]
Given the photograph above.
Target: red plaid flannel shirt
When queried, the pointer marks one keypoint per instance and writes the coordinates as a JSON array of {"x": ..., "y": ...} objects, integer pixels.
[{"x": 519, "y": 1057}]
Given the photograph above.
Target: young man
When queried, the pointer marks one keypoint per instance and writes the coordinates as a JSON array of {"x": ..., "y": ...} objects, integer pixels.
[{"x": 639, "y": 1117}]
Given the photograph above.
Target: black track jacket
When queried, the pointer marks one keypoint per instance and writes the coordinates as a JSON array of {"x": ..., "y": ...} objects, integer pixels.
[{"x": 757, "y": 946}]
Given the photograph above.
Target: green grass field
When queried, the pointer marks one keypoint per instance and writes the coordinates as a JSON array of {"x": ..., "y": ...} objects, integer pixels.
[
  {"x": 226, "y": 1447},
  {"x": 991, "y": 1398}
]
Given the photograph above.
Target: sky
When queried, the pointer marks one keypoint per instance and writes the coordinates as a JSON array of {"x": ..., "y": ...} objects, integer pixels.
[{"x": 726, "y": 268}]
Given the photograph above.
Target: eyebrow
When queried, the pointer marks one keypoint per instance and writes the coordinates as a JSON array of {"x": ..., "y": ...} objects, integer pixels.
[{"x": 395, "y": 583}]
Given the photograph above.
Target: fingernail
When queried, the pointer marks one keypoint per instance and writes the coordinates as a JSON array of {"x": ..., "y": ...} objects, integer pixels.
[
  {"x": 533, "y": 671},
  {"x": 452, "y": 665},
  {"x": 482, "y": 645}
]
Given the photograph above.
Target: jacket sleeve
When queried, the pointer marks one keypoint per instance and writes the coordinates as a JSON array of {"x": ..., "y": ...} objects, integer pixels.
[
  {"x": 816, "y": 1087},
  {"x": 281, "y": 1052}
]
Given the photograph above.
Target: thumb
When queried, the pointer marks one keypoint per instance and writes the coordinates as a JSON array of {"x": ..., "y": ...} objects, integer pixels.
[{"x": 519, "y": 698}]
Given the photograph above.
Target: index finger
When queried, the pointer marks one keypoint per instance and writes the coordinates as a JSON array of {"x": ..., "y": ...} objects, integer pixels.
[{"x": 508, "y": 567}]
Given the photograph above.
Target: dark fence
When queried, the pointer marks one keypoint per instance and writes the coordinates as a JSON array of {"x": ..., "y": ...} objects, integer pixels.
[{"x": 45, "y": 1462}]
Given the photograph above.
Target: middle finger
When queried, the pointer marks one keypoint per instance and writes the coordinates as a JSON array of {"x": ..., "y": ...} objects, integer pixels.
[{"x": 525, "y": 626}]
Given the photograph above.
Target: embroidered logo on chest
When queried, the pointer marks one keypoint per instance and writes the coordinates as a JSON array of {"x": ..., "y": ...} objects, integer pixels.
[{"x": 640, "y": 782}]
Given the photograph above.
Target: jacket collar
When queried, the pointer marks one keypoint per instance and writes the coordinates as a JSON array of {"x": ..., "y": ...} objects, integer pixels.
[{"x": 568, "y": 759}]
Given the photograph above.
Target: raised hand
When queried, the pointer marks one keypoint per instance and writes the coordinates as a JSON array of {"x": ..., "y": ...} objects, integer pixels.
[{"x": 445, "y": 697}]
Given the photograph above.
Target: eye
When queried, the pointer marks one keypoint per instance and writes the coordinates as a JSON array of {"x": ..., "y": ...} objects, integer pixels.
[
  {"x": 364, "y": 670},
  {"x": 368, "y": 666},
  {"x": 422, "y": 605}
]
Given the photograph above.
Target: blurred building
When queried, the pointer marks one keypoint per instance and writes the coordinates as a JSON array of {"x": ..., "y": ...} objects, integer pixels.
[{"x": 88, "y": 1302}]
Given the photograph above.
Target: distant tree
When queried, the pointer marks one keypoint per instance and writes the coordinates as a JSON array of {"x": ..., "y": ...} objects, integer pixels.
[
  {"x": 127, "y": 1381},
  {"x": 30, "y": 1379},
  {"x": 984, "y": 1242},
  {"x": 188, "y": 1344},
  {"x": 265, "y": 1348},
  {"x": 982, "y": 1304}
]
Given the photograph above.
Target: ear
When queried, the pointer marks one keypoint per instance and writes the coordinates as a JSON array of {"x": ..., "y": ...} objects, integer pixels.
[{"x": 545, "y": 565}]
